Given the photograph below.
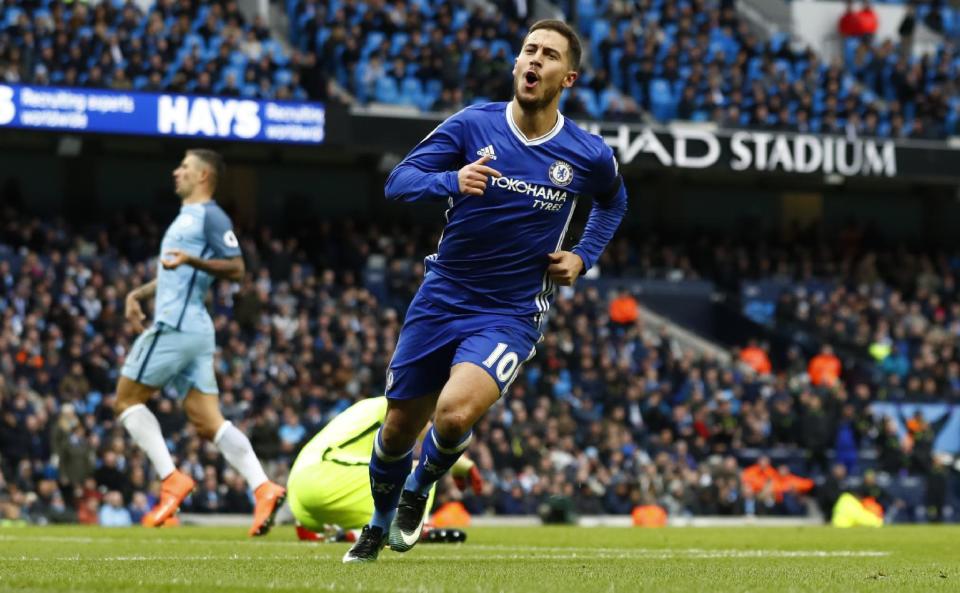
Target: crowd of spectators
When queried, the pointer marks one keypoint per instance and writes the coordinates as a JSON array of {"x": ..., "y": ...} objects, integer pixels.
[
  {"x": 610, "y": 414},
  {"x": 661, "y": 59},
  {"x": 893, "y": 305},
  {"x": 664, "y": 59},
  {"x": 179, "y": 46},
  {"x": 433, "y": 55}
]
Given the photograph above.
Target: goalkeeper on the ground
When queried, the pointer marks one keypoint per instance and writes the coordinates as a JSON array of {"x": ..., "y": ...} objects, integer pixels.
[{"x": 329, "y": 485}]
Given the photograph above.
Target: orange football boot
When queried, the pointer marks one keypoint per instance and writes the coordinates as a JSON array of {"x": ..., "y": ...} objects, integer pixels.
[
  {"x": 174, "y": 489},
  {"x": 269, "y": 497}
]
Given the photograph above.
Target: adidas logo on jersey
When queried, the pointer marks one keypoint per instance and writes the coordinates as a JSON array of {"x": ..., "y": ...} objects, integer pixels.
[{"x": 488, "y": 151}]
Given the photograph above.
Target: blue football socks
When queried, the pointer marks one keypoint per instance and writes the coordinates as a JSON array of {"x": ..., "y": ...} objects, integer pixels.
[
  {"x": 387, "y": 473},
  {"x": 436, "y": 458}
]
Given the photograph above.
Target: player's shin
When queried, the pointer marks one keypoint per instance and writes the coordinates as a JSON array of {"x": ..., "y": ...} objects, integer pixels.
[
  {"x": 144, "y": 428},
  {"x": 436, "y": 459},
  {"x": 238, "y": 451},
  {"x": 387, "y": 475}
]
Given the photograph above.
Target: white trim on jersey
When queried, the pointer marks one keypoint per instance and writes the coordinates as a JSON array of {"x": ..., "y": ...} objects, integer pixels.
[
  {"x": 516, "y": 373},
  {"x": 536, "y": 141},
  {"x": 542, "y": 298}
]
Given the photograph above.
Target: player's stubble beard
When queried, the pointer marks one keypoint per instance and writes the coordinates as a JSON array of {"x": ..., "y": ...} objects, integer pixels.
[{"x": 535, "y": 105}]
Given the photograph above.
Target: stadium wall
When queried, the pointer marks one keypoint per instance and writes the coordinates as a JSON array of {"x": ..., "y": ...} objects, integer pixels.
[{"x": 679, "y": 177}]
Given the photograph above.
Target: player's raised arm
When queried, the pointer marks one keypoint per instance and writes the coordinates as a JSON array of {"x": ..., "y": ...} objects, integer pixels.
[
  {"x": 434, "y": 170},
  {"x": 609, "y": 206}
]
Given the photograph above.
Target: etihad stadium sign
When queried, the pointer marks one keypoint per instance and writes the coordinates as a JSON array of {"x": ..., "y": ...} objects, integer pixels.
[
  {"x": 695, "y": 147},
  {"x": 702, "y": 147}
]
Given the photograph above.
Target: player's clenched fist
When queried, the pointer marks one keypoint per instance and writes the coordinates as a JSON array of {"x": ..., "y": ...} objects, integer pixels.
[
  {"x": 565, "y": 267},
  {"x": 473, "y": 177}
]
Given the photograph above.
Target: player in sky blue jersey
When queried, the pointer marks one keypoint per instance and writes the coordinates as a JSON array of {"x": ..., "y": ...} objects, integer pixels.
[
  {"x": 511, "y": 174},
  {"x": 177, "y": 350}
]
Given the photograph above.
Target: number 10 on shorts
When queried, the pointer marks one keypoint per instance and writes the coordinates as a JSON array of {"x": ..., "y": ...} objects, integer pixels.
[{"x": 507, "y": 362}]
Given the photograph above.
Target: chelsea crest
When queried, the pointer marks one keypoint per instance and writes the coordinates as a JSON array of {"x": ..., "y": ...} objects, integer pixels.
[{"x": 561, "y": 173}]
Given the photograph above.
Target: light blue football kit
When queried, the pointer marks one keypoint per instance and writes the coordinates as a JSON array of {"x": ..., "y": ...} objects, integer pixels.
[
  {"x": 178, "y": 349},
  {"x": 486, "y": 289}
]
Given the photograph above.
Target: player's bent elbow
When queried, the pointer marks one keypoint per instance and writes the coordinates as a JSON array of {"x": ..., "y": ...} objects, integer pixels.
[{"x": 392, "y": 193}]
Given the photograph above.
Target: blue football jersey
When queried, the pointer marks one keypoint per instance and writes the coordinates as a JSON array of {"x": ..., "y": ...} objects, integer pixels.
[
  {"x": 492, "y": 257},
  {"x": 203, "y": 230}
]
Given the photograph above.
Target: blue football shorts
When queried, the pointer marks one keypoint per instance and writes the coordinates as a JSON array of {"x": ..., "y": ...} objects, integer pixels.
[
  {"x": 164, "y": 356},
  {"x": 434, "y": 339}
]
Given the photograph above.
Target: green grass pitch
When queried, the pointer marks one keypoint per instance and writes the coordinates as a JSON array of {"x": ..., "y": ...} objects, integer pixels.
[{"x": 527, "y": 560}]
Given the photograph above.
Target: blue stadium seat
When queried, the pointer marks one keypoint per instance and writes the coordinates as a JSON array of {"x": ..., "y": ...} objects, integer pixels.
[
  {"x": 777, "y": 41},
  {"x": 236, "y": 71},
  {"x": 850, "y": 50},
  {"x": 411, "y": 92},
  {"x": 283, "y": 77},
  {"x": 607, "y": 97},
  {"x": 201, "y": 18},
  {"x": 616, "y": 73},
  {"x": 397, "y": 42},
  {"x": 598, "y": 32},
  {"x": 460, "y": 18},
  {"x": 12, "y": 14},
  {"x": 434, "y": 87},
  {"x": 498, "y": 45},
  {"x": 322, "y": 35},
  {"x": 386, "y": 90},
  {"x": 359, "y": 73},
  {"x": 193, "y": 40},
  {"x": 662, "y": 103},
  {"x": 372, "y": 43},
  {"x": 590, "y": 102},
  {"x": 586, "y": 11}
]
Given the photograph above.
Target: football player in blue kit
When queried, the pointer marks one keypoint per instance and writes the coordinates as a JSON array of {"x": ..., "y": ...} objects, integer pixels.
[
  {"x": 178, "y": 349},
  {"x": 511, "y": 174}
]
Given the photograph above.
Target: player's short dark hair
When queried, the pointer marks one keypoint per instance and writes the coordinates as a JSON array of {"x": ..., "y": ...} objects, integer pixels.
[
  {"x": 573, "y": 40},
  {"x": 212, "y": 159}
]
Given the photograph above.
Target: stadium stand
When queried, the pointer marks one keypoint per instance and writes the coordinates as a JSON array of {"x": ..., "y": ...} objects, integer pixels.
[
  {"x": 610, "y": 415},
  {"x": 663, "y": 59},
  {"x": 658, "y": 59},
  {"x": 173, "y": 46}
]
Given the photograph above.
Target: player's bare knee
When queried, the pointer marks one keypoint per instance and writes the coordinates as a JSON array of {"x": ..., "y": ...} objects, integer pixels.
[
  {"x": 451, "y": 426},
  {"x": 129, "y": 394},
  {"x": 397, "y": 439},
  {"x": 206, "y": 430}
]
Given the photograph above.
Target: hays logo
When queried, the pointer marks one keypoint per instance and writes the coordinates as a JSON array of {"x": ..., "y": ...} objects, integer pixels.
[
  {"x": 7, "y": 109},
  {"x": 204, "y": 116}
]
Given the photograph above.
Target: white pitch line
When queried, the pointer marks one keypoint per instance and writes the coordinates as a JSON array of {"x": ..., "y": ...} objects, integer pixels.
[
  {"x": 165, "y": 541},
  {"x": 688, "y": 554},
  {"x": 460, "y": 548}
]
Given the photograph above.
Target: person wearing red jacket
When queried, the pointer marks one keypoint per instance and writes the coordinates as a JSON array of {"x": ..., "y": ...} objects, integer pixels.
[
  {"x": 850, "y": 22},
  {"x": 867, "y": 20}
]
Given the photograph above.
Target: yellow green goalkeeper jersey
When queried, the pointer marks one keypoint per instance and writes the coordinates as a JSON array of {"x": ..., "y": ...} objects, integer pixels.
[{"x": 329, "y": 482}]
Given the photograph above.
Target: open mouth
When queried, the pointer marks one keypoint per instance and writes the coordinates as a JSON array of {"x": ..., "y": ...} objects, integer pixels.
[{"x": 530, "y": 79}]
